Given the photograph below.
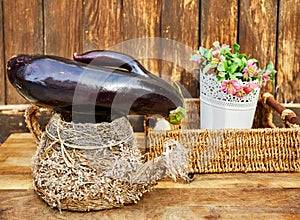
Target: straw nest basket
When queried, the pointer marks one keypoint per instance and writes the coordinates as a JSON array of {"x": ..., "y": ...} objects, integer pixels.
[
  {"x": 265, "y": 148},
  {"x": 85, "y": 166}
]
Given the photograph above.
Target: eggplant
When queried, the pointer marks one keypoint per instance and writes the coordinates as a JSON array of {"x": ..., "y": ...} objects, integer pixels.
[
  {"x": 83, "y": 93},
  {"x": 112, "y": 59}
]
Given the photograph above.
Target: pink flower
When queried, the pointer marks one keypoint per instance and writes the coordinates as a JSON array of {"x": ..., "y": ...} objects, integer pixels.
[
  {"x": 252, "y": 85},
  {"x": 198, "y": 62},
  {"x": 247, "y": 89},
  {"x": 241, "y": 93},
  {"x": 218, "y": 60},
  {"x": 210, "y": 71},
  {"x": 250, "y": 70},
  {"x": 197, "y": 58},
  {"x": 222, "y": 58},
  {"x": 224, "y": 45},
  {"x": 215, "y": 54},
  {"x": 266, "y": 76},
  {"x": 216, "y": 48},
  {"x": 230, "y": 86}
]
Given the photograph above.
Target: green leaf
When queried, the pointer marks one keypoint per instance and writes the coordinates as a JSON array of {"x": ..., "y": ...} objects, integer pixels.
[
  {"x": 239, "y": 74},
  {"x": 213, "y": 65},
  {"x": 216, "y": 44},
  {"x": 224, "y": 63},
  {"x": 232, "y": 69},
  {"x": 209, "y": 54},
  {"x": 237, "y": 62},
  {"x": 221, "y": 67},
  {"x": 202, "y": 51},
  {"x": 242, "y": 55},
  {"x": 195, "y": 57},
  {"x": 221, "y": 79},
  {"x": 232, "y": 76},
  {"x": 270, "y": 66},
  {"x": 254, "y": 60},
  {"x": 236, "y": 48},
  {"x": 225, "y": 50},
  {"x": 206, "y": 69},
  {"x": 244, "y": 61},
  {"x": 222, "y": 74}
]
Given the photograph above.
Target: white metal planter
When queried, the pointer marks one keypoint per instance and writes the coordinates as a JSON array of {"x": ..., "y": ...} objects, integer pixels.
[{"x": 219, "y": 110}]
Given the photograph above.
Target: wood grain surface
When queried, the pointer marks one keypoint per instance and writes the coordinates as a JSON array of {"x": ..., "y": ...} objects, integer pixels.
[
  {"x": 268, "y": 30},
  {"x": 23, "y": 27},
  {"x": 257, "y": 32},
  {"x": 288, "y": 76},
  {"x": 219, "y": 22},
  {"x": 179, "y": 23},
  {"x": 209, "y": 196},
  {"x": 141, "y": 24},
  {"x": 2, "y": 64},
  {"x": 102, "y": 24},
  {"x": 63, "y": 21}
]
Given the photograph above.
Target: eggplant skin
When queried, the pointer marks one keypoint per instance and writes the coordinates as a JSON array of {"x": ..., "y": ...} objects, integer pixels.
[
  {"x": 70, "y": 87},
  {"x": 112, "y": 59}
]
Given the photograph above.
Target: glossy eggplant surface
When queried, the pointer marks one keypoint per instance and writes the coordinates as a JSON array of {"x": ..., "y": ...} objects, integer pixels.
[
  {"x": 76, "y": 88},
  {"x": 112, "y": 59}
]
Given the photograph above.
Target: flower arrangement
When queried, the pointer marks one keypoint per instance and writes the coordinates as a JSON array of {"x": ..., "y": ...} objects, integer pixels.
[{"x": 238, "y": 73}]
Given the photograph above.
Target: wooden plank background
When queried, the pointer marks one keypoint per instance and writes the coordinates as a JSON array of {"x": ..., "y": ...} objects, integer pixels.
[{"x": 268, "y": 30}]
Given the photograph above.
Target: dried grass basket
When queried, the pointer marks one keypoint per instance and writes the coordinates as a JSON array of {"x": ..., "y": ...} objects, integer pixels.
[
  {"x": 265, "y": 148},
  {"x": 89, "y": 166}
]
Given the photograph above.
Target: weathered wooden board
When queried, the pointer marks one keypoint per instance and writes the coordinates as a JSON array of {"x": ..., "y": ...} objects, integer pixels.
[
  {"x": 63, "y": 22},
  {"x": 209, "y": 196},
  {"x": 257, "y": 32},
  {"x": 218, "y": 22},
  {"x": 12, "y": 120},
  {"x": 140, "y": 25},
  {"x": 288, "y": 53},
  {"x": 15, "y": 155},
  {"x": 102, "y": 24},
  {"x": 268, "y": 30},
  {"x": 23, "y": 26},
  {"x": 179, "y": 24},
  {"x": 169, "y": 204},
  {"x": 2, "y": 59}
]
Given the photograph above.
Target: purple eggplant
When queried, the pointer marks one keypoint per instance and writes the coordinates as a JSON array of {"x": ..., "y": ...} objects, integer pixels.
[
  {"x": 75, "y": 88},
  {"x": 112, "y": 59}
]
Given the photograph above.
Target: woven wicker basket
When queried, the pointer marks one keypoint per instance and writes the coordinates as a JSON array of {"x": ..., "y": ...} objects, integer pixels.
[{"x": 264, "y": 149}]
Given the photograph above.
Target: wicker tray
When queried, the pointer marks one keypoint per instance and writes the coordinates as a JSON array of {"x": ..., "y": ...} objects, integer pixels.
[{"x": 265, "y": 149}]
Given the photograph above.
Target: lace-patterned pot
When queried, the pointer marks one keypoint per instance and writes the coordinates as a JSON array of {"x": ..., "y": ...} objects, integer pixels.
[{"x": 219, "y": 110}]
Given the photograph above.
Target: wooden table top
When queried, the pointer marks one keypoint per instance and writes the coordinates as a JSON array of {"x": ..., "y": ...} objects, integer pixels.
[{"x": 209, "y": 196}]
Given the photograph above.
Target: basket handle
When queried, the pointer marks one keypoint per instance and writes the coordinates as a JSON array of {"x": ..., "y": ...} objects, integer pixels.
[
  {"x": 288, "y": 116},
  {"x": 32, "y": 122}
]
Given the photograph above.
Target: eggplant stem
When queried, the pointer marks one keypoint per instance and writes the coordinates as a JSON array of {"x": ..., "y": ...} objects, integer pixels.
[{"x": 177, "y": 115}]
